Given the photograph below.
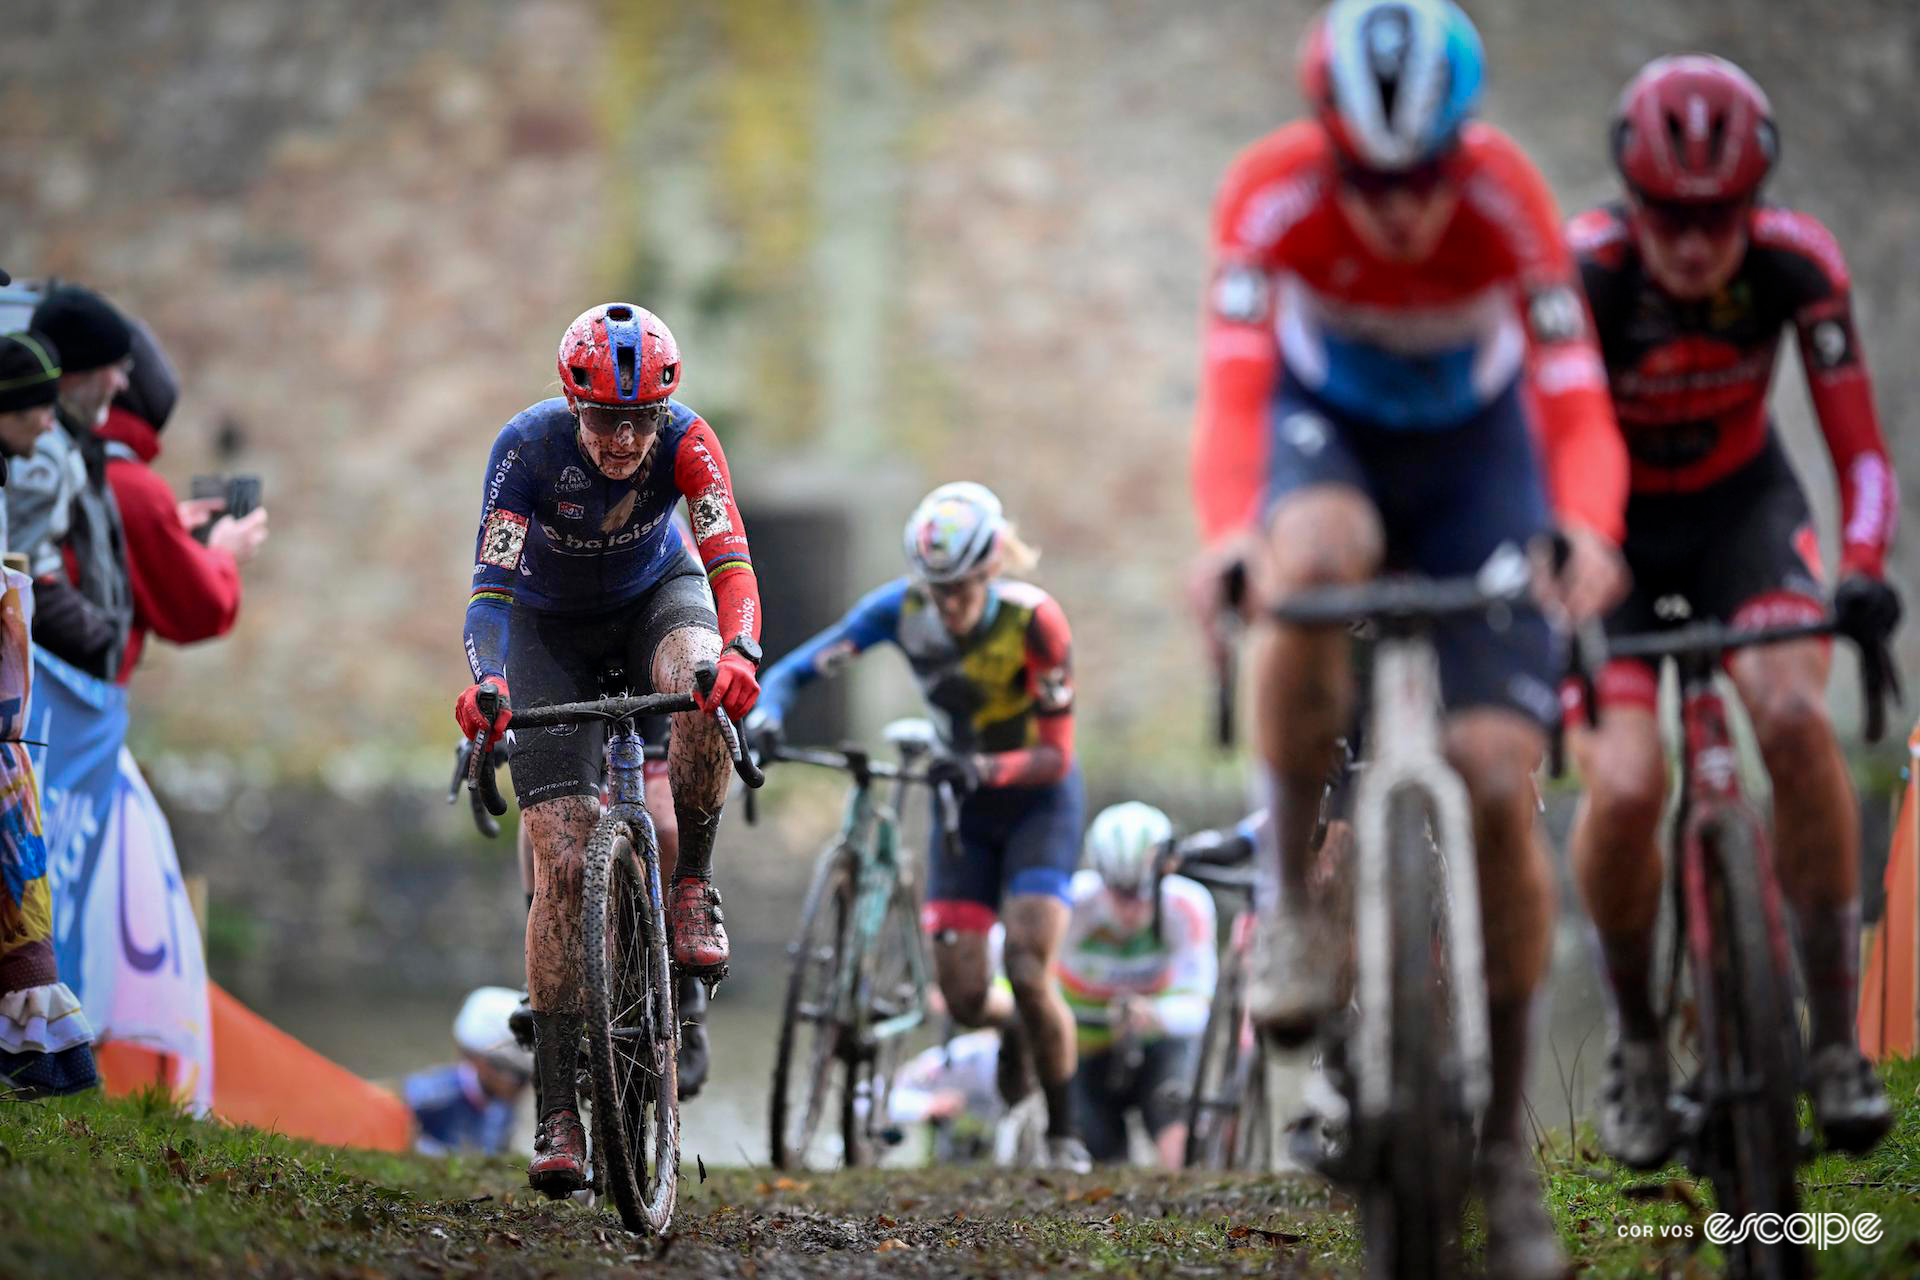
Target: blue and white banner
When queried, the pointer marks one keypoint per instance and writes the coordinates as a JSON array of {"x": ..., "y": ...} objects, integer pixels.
[{"x": 124, "y": 932}]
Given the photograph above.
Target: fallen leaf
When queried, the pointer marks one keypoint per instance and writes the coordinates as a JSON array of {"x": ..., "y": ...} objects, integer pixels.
[
  {"x": 177, "y": 1165},
  {"x": 702, "y": 1166},
  {"x": 789, "y": 1184},
  {"x": 882, "y": 1220},
  {"x": 1678, "y": 1190},
  {"x": 890, "y": 1244},
  {"x": 1278, "y": 1237},
  {"x": 1095, "y": 1195},
  {"x": 904, "y": 1205}
]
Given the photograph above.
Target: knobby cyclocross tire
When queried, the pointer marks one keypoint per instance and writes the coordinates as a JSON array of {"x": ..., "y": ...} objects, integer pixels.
[
  {"x": 1410, "y": 1211},
  {"x": 815, "y": 957},
  {"x": 1752, "y": 1149},
  {"x": 1214, "y": 1103},
  {"x": 632, "y": 1029},
  {"x": 884, "y": 989}
]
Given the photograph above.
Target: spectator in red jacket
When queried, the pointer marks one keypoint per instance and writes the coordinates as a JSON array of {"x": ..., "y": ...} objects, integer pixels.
[{"x": 182, "y": 591}]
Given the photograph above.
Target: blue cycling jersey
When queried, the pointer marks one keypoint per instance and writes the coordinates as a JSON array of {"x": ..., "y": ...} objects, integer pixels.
[{"x": 558, "y": 535}]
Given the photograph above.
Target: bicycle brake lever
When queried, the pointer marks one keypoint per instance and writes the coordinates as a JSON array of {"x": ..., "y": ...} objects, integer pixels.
[
  {"x": 480, "y": 771},
  {"x": 461, "y": 750},
  {"x": 743, "y": 763},
  {"x": 481, "y": 818}
]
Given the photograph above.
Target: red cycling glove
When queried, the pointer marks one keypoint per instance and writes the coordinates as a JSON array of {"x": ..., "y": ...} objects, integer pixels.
[
  {"x": 735, "y": 689},
  {"x": 466, "y": 709}
]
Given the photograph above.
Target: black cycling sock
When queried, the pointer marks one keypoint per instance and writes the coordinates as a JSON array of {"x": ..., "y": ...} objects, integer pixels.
[
  {"x": 1626, "y": 960},
  {"x": 692, "y": 993},
  {"x": 697, "y": 831},
  {"x": 1509, "y": 1038},
  {"x": 556, "y": 1050},
  {"x": 1830, "y": 958},
  {"x": 1059, "y": 1109}
]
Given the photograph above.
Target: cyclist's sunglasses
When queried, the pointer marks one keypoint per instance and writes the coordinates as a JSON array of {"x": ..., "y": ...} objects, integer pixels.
[
  {"x": 942, "y": 591},
  {"x": 1715, "y": 219},
  {"x": 1372, "y": 184},
  {"x": 608, "y": 419}
]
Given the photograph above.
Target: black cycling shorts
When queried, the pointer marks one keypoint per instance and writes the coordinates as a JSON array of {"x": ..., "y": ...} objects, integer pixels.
[
  {"x": 561, "y": 657},
  {"x": 1742, "y": 542}
]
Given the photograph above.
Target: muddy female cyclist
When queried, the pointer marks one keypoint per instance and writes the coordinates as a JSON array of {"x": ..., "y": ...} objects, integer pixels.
[
  {"x": 992, "y": 658},
  {"x": 578, "y": 569}
]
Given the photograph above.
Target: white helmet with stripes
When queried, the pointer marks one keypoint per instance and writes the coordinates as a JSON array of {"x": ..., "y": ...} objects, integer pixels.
[
  {"x": 954, "y": 531},
  {"x": 1124, "y": 842}
]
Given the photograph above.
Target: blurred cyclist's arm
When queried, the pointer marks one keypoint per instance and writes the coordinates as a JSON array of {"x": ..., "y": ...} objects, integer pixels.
[
  {"x": 1584, "y": 455},
  {"x": 1841, "y": 390},
  {"x": 1187, "y": 926},
  {"x": 874, "y": 619},
  {"x": 1050, "y": 682}
]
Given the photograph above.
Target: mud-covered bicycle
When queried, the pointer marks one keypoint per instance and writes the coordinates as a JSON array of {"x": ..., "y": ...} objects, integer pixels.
[{"x": 631, "y": 1027}]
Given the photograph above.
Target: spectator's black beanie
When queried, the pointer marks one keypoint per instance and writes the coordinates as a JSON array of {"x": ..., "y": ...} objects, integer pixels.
[
  {"x": 84, "y": 325},
  {"x": 29, "y": 371}
]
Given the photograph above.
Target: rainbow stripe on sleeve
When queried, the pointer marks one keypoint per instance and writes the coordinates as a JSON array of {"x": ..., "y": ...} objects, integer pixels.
[
  {"x": 491, "y": 595},
  {"x": 726, "y": 563}
]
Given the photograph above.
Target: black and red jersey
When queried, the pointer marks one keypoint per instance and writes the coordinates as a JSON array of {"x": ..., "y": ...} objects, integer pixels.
[{"x": 1690, "y": 378}]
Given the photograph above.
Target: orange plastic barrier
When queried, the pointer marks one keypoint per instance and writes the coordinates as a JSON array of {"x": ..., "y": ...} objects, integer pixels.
[
  {"x": 264, "y": 1077},
  {"x": 1890, "y": 986}
]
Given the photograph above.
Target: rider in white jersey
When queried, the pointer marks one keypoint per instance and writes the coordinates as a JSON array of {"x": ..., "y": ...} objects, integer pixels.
[{"x": 1139, "y": 983}]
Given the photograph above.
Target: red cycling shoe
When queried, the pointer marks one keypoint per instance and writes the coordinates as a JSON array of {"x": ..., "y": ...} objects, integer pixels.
[
  {"x": 699, "y": 930},
  {"x": 559, "y": 1164}
]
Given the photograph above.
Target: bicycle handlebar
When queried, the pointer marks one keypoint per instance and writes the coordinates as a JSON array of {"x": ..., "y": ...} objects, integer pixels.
[
  {"x": 480, "y": 767},
  {"x": 856, "y": 761},
  {"x": 1879, "y": 677}
]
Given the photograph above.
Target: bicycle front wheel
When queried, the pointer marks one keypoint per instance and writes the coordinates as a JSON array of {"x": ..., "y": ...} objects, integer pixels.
[
  {"x": 633, "y": 1032},
  {"x": 892, "y": 987},
  {"x": 1213, "y": 1106},
  {"x": 1411, "y": 1210},
  {"x": 810, "y": 1024},
  {"x": 1752, "y": 1047}
]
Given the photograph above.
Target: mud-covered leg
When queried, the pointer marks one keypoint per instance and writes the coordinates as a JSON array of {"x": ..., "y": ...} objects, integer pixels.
[
  {"x": 697, "y": 769},
  {"x": 559, "y": 831}
]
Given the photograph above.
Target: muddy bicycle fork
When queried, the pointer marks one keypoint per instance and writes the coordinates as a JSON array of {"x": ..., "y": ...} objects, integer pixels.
[{"x": 1407, "y": 758}]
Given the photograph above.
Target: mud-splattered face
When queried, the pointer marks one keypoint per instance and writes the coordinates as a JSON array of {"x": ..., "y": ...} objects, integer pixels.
[
  {"x": 961, "y": 603},
  {"x": 617, "y": 454}
]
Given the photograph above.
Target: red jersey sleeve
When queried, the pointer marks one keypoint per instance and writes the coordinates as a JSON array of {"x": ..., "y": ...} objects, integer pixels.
[
  {"x": 1584, "y": 453},
  {"x": 719, "y": 534},
  {"x": 1270, "y": 186},
  {"x": 1839, "y": 386},
  {"x": 182, "y": 591},
  {"x": 1049, "y": 675}
]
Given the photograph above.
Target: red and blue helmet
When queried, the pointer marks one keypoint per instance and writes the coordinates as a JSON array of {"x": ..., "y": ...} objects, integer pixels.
[
  {"x": 1393, "y": 82},
  {"x": 617, "y": 353}
]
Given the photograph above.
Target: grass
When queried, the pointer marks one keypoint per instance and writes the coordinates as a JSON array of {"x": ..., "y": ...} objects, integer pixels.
[
  {"x": 91, "y": 1186},
  {"x": 1594, "y": 1200}
]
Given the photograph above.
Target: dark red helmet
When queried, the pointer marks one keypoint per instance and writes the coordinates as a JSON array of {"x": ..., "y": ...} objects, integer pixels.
[
  {"x": 618, "y": 353},
  {"x": 1693, "y": 129}
]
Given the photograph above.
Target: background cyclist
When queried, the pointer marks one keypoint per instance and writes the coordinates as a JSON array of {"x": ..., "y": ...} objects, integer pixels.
[
  {"x": 577, "y": 569},
  {"x": 1692, "y": 280},
  {"x": 1393, "y": 313},
  {"x": 1139, "y": 981},
  {"x": 992, "y": 657}
]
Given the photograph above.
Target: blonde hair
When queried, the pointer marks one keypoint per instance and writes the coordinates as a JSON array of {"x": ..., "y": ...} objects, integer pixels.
[{"x": 1014, "y": 556}]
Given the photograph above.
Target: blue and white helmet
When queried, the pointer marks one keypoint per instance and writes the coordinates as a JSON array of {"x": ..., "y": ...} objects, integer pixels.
[
  {"x": 954, "y": 532},
  {"x": 1392, "y": 81}
]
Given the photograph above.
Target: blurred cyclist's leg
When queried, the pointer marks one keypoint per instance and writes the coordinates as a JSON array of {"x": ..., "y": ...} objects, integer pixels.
[
  {"x": 1320, "y": 535},
  {"x": 1617, "y": 866},
  {"x": 1817, "y": 834}
]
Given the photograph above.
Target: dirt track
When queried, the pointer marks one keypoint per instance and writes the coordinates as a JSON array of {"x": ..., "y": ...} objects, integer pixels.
[{"x": 951, "y": 1222}]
